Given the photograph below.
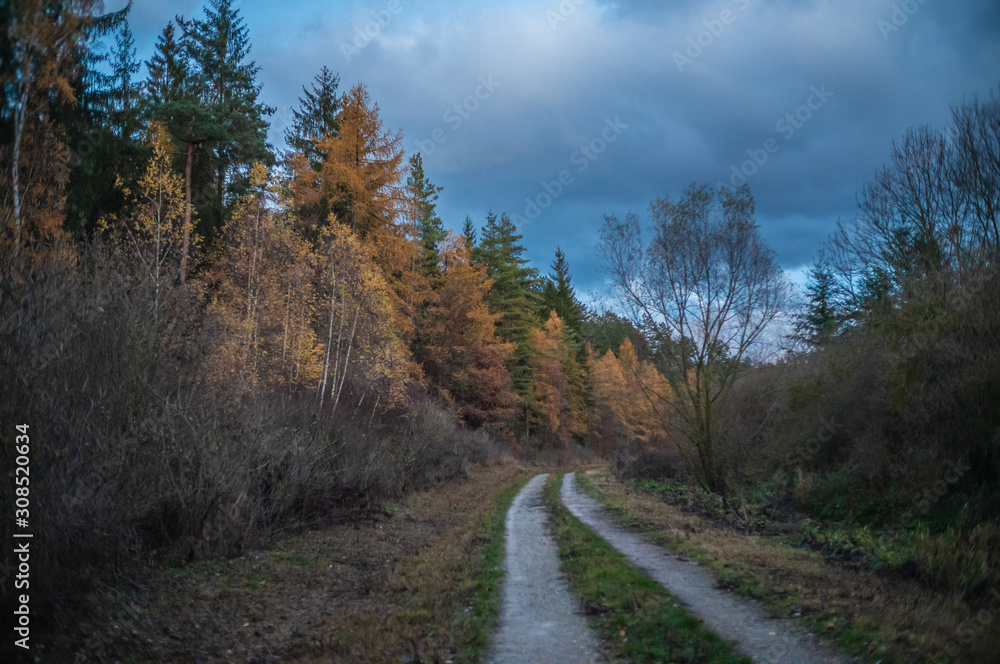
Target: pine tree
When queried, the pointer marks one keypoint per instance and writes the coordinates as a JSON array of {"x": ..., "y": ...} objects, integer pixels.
[
  {"x": 316, "y": 117},
  {"x": 428, "y": 224}
]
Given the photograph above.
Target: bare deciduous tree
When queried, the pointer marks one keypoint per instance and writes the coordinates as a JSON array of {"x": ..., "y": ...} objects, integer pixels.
[{"x": 708, "y": 288}]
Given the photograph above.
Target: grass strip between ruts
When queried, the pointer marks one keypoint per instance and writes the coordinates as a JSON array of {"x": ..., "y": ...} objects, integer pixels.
[{"x": 635, "y": 616}]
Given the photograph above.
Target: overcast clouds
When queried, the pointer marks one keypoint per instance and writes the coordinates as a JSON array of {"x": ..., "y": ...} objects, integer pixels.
[{"x": 660, "y": 93}]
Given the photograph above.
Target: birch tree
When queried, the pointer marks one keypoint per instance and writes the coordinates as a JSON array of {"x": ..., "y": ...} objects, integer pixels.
[{"x": 706, "y": 286}]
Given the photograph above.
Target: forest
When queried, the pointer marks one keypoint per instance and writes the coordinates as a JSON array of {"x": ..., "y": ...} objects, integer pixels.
[{"x": 216, "y": 341}]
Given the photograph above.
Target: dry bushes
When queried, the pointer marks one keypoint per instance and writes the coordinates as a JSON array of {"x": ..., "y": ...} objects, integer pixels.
[{"x": 137, "y": 450}]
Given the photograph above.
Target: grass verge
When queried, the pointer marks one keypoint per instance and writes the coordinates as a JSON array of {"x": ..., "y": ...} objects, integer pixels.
[
  {"x": 486, "y": 576},
  {"x": 636, "y": 616},
  {"x": 417, "y": 581},
  {"x": 877, "y": 617}
]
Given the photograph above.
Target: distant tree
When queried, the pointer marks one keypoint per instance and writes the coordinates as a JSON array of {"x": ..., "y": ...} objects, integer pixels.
[
  {"x": 316, "y": 117},
  {"x": 462, "y": 357},
  {"x": 512, "y": 297},
  {"x": 820, "y": 321},
  {"x": 428, "y": 225},
  {"x": 607, "y": 330},
  {"x": 469, "y": 233},
  {"x": 707, "y": 276},
  {"x": 559, "y": 295}
]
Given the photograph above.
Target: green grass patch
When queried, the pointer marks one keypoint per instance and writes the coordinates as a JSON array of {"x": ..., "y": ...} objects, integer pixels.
[
  {"x": 487, "y": 577},
  {"x": 634, "y": 614}
]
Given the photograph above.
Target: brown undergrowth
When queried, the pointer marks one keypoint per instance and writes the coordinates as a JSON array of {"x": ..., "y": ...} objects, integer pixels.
[
  {"x": 879, "y": 618},
  {"x": 394, "y": 585}
]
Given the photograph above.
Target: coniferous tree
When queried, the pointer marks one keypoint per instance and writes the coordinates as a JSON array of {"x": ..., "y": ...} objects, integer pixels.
[
  {"x": 125, "y": 97},
  {"x": 316, "y": 117},
  {"x": 103, "y": 128},
  {"x": 218, "y": 47},
  {"x": 513, "y": 296},
  {"x": 820, "y": 321},
  {"x": 469, "y": 233},
  {"x": 428, "y": 224},
  {"x": 559, "y": 295},
  {"x": 167, "y": 71}
]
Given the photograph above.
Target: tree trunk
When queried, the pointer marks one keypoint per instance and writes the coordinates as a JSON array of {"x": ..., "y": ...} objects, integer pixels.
[{"x": 186, "y": 242}]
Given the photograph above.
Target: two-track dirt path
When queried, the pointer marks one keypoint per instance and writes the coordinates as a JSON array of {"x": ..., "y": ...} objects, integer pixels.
[
  {"x": 766, "y": 639},
  {"x": 540, "y": 618}
]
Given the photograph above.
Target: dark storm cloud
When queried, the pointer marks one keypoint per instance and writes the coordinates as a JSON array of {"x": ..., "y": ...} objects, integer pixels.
[{"x": 803, "y": 98}]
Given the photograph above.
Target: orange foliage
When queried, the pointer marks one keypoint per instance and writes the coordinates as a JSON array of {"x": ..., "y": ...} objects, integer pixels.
[
  {"x": 558, "y": 410},
  {"x": 462, "y": 357}
]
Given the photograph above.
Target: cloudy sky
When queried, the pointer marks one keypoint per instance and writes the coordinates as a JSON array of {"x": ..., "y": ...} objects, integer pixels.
[{"x": 561, "y": 112}]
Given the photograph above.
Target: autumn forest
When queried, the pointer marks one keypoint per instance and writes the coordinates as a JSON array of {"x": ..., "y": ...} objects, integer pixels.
[{"x": 217, "y": 341}]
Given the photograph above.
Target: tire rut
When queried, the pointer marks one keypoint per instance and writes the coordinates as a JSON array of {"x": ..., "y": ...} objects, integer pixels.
[
  {"x": 540, "y": 619},
  {"x": 765, "y": 639}
]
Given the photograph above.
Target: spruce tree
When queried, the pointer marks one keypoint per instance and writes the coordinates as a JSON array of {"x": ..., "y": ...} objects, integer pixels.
[
  {"x": 513, "y": 295},
  {"x": 428, "y": 224},
  {"x": 559, "y": 295},
  {"x": 469, "y": 233},
  {"x": 218, "y": 48},
  {"x": 174, "y": 92},
  {"x": 820, "y": 321},
  {"x": 316, "y": 116}
]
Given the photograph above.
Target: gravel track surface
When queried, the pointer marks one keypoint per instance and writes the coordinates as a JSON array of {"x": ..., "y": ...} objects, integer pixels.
[
  {"x": 540, "y": 619},
  {"x": 766, "y": 639}
]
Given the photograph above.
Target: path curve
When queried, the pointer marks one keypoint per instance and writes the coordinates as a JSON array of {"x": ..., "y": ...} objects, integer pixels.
[
  {"x": 765, "y": 639},
  {"x": 540, "y": 619}
]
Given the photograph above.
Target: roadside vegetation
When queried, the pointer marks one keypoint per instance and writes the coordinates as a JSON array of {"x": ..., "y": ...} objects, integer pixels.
[
  {"x": 877, "y": 616},
  {"x": 635, "y": 616},
  {"x": 419, "y": 579}
]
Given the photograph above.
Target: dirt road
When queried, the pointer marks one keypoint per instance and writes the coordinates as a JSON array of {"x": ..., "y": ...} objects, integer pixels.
[
  {"x": 540, "y": 619},
  {"x": 765, "y": 639}
]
